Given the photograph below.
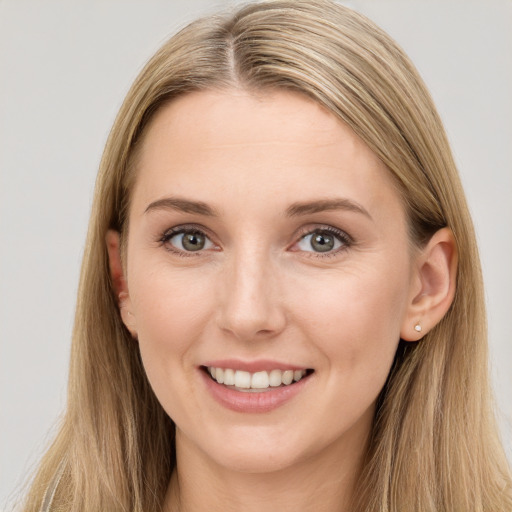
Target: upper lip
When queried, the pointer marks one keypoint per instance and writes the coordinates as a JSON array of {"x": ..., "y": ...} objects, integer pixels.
[{"x": 259, "y": 365}]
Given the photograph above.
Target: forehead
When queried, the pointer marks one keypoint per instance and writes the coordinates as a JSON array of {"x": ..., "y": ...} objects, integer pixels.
[{"x": 230, "y": 146}]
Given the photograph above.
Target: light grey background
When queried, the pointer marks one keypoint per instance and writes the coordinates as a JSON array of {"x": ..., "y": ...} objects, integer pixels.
[{"x": 64, "y": 69}]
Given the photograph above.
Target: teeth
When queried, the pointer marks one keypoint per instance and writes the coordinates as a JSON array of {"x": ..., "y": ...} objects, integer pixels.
[
  {"x": 229, "y": 377},
  {"x": 258, "y": 380},
  {"x": 274, "y": 378},
  {"x": 242, "y": 379},
  {"x": 287, "y": 377}
]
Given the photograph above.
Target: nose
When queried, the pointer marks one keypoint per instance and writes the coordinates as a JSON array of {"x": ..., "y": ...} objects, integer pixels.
[{"x": 250, "y": 299}]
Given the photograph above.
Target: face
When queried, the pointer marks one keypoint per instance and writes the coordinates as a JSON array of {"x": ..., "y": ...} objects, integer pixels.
[{"x": 267, "y": 246}]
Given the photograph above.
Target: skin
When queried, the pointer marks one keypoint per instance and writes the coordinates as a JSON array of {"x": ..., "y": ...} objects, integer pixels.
[{"x": 258, "y": 290}]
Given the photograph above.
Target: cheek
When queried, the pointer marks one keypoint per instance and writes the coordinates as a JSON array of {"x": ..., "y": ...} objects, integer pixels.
[
  {"x": 171, "y": 314},
  {"x": 355, "y": 319},
  {"x": 170, "y": 307}
]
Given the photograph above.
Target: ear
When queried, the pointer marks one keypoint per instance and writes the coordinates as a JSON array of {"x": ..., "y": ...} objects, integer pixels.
[
  {"x": 434, "y": 286},
  {"x": 119, "y": 282}
]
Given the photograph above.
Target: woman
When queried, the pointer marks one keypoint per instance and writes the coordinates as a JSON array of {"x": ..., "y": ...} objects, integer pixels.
[{"x": 280, "y": 302}]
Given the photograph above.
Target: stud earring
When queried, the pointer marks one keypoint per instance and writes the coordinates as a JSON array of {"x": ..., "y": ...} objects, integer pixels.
[{"x": 417, "y": 327}]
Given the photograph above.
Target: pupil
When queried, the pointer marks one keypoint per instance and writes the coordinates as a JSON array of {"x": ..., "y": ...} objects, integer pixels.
[
  {"x": 322, "y": 242},
  {"x": 193, "y": 241}
]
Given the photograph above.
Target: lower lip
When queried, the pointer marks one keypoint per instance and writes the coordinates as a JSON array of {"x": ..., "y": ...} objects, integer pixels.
[{"x": 254, "y": 402}]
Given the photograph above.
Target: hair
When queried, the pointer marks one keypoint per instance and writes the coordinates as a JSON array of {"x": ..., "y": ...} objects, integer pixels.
[{"x": 434, "y": 444}]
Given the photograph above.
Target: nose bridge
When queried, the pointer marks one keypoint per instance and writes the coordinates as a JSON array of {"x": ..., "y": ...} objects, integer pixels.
[{"x": 250, "y": 304}]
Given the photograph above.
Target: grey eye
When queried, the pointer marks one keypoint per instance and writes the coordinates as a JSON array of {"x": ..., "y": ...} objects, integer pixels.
[
  {"x": 191, "y": 241},
  {"x": 319, "y": 241},
  {"x": 322, "y": 242}
]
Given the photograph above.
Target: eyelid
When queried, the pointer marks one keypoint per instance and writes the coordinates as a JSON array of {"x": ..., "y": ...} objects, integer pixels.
[
  {"x": 182, "y": 229},
  {"x": 312, "y": 228},
  {"x": 346, "y": 240}
]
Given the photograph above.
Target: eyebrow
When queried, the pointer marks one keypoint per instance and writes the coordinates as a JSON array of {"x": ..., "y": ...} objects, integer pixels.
[
  {"x": 294, "y": 210},
  {"x": 323, "y": 205},
  {"x": 182, "y": 205}
]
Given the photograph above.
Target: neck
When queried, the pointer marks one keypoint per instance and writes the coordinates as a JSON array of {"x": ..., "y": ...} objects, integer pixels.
[{"x": 323, "y": 483}]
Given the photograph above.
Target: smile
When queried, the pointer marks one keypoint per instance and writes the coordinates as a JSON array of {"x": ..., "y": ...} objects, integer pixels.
[
  {"x": 257, "y": 391},
  {"x": 257, "y": 381}
]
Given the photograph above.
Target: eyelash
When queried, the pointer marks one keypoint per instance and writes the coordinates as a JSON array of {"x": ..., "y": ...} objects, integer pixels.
[
  {"x": 345, "y": 239},
  {"x": 184, "y": 229}
]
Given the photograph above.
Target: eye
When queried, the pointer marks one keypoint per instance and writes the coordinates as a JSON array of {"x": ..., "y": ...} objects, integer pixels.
[
  {"x": 187, "y": 240},
  {"x": 323, "y": 241}
]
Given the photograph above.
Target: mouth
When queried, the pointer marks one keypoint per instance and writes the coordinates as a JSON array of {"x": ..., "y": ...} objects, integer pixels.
[{"x": 256, "y": 382}]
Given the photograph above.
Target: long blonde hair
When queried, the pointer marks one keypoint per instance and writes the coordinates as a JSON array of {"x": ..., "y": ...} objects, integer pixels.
[{"x": 434, "y": 444}]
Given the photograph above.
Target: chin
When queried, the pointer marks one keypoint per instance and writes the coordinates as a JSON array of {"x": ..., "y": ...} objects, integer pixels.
[
  {"x": 256, "y": 460},
  {"x": 248, "y": 449}
]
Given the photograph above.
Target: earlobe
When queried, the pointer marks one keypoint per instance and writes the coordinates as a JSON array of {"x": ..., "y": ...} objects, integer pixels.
[
  {"x": 436, "y": 274},
  {"x": 118, "y": 280}
]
